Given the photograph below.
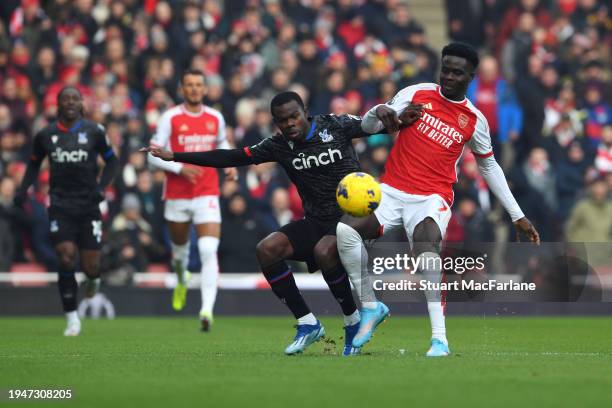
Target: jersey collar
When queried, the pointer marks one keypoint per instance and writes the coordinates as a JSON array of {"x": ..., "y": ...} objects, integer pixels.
[
  {"x": 311, "y": 131},
  {"x": 192, "y": 114},
  {"x": 74, "y": 127},
  {"x": 461, "y": 102}
]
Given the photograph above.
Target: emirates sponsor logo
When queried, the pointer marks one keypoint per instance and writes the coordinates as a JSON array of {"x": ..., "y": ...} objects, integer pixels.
[
  {"x": 439, "y": 131},
  {"x": 193, "y": 139}
]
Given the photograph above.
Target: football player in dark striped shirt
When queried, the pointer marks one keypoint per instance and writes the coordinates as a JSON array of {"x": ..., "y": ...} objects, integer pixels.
[
  {"x": 73, "y": 145},
  {"x": 316, "y": 152}
]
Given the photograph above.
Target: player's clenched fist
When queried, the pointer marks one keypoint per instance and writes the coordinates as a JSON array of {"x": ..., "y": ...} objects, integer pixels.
[
  {"x": 163, "y": 154},
  {"x": 411, "y": 114},
  {"x": 389, "y": 118},
  {"x": 392, "y": 122}
]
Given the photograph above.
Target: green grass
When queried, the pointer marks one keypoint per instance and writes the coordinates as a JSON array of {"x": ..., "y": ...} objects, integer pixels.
[{"x": 166, "y": 362}]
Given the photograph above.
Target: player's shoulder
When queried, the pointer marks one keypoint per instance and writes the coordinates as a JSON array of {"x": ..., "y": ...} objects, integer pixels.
[
  {"x": 332, "y": 118},
  {"x": 424, "y": 86},
  {"x": 47, "y": 130},
  {"x": 91, "y": 125},
  {"x": 480, "y": 117},
  {"x": 408, "y": 93},
  {"x": 169, "y": 113},
  {"x": 213, "y": 112}
]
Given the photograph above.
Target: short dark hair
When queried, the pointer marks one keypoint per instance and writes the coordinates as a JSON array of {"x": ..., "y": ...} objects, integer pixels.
[
  {"x": 66, "y": 88},
  {"x": 192, "y": 72},
  {"x": 285, "y": 97},
  {"x": 462, "y": 50}
]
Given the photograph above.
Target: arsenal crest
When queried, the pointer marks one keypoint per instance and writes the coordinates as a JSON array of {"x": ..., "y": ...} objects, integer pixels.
[{"x": 463, "y": 120}]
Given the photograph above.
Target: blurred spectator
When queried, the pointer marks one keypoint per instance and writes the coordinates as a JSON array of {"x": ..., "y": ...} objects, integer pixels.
[
  {"x": 496, "y": 99},
  {"x": 512, "y": 17},
  {"x": 603, "y": 162},
  {"x": 599, "y": 112},
  {"x": 571, "y": 171},
  {"x": 149, "y": 195},
  {"x": 540, "y": 175},
  {"x": 239, "y": 221},
  {"x": 591, "y": 219},
  {"x": 130, "y": 244},
  {"x": 465, "y": 21},
  {"x": 14, "y": 222}
]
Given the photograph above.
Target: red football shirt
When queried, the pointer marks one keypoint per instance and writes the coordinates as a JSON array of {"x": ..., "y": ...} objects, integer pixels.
[
  {"x": 179, "y": 130},
  {"x": 424, "y": 158}
]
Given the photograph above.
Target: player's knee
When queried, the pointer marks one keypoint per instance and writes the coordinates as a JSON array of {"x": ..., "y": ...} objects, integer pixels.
[
  {"x": 207, "y": 246},
  {"x": 67, "y": 260},
  {"x": 91, "y": 268},
  {"x": 326, "y": 254},
  {"x": 347, "y": 234},
  {"x": 268, "y": 250},
  {"x": 427, "y": 237}
]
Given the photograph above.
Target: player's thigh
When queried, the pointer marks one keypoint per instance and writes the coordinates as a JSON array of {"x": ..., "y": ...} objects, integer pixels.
[
  {"x": 207, "y": 211},
  {"x": 303, "y": 236},
  {"x": 326, "y": 252},
  {"x": 90, "y": 262},
  {"x": 63, "y": 231},
  {"x": 367, "y": 227},
  {"x": 178, "y": 215},
  {"x": 273, "y": 248},
  {"x": 89, "y": 232},
  {"x": 66, "y": 254},
  {"x": 389, "y": 212},
  {"x": 426, "y": 220}
]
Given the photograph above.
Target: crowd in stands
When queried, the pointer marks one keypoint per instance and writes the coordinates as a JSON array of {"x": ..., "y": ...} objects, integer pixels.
[{"x": 544, "y": 85}]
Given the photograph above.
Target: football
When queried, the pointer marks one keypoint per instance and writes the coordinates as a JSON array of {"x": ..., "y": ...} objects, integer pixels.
[{"x": 358, "y": 194}]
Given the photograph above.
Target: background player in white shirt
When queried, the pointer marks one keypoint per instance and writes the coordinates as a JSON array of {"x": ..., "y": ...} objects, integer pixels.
[
  {"x": 417, "y": 185},
  {"x": 192, "y": 193}
]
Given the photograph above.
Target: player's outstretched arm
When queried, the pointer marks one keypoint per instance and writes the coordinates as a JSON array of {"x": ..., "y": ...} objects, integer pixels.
[
  {"x": 220, "y": 158},
  {"x": 496, "y": 180}
]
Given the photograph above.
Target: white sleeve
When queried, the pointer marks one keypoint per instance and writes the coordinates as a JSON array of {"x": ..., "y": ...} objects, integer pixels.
[
  {"x": 480, "y": 142},
  {"x": 496, "y": 180},
  {"x": 370, "y": 122},
  {"x": 162, "y": 139},
  {"x": 222, "y": 142}
]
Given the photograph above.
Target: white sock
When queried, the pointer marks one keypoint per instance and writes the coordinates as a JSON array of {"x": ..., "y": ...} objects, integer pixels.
[
  {"x": 180, "y": 259},
  {"x": 355, "y": 260},
  {"x": 72, "y": 317},
  {"x": 431, "y": 267},
  {"x": 209, "y": 277},
  {"x": 308, "y": 319},
  {"x": 352, "y": 319}
]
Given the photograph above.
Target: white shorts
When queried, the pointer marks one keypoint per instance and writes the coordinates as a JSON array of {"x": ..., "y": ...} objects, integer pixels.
[
  {"x": 399, "y": 209},
  {"x": 198, "y": 210}
]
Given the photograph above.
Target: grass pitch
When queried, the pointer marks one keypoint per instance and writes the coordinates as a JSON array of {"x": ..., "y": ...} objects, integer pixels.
[{"x": 167, "y": 362}]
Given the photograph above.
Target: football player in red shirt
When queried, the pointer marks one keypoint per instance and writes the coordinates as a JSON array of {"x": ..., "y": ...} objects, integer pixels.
[
  {"x": 191, "y": 192},
  {"x": 417, "y": 186}
]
